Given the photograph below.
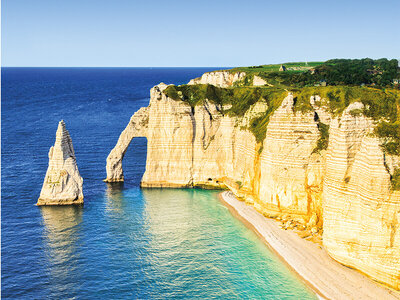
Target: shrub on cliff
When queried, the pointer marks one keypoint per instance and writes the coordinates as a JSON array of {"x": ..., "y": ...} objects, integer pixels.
[
  {"x": 395, "y": 180},
  {"x": 322, "y": 142},
  {"x": 240, "y": 98},
  {"x": 382, "y": 105}
]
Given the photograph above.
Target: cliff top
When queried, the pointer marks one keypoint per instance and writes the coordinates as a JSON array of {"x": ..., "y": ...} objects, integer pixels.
[{"x": 366, "y": 71}]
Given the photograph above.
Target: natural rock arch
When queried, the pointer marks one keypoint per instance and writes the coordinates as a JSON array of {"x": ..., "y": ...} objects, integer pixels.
[{"x": 137, "y": 127}]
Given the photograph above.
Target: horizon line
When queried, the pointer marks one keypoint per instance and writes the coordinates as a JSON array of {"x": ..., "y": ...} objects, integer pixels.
[{"x": 115, "y": 67}]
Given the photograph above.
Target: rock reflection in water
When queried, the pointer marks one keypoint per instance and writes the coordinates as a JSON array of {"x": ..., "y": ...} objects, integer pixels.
[
  {"x": 180, "y": 238},
  {"x": 114, "y": 196},
  {"x": 62, "y": 235}
]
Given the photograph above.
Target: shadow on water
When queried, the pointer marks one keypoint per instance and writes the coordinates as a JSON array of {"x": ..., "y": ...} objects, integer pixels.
[{"x": 62, "y": 236}]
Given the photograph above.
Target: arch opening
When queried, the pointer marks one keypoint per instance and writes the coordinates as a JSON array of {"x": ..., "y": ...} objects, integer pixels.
[
  {"x": 136, "y": 128},
  {"x": 134, "y": 162}
]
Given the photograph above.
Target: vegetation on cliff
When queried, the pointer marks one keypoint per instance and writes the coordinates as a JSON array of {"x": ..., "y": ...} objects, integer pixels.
[
  {"x": 293, "y": 67},
  {"x": 382, "y": 105},
  {"x": 380, "y": 72},
  {"x": 395, "y": 180},
  {"x": 240, "y": 99},
  {"x": 368, "y": 81},
  {"x": 322, "y": 143}
]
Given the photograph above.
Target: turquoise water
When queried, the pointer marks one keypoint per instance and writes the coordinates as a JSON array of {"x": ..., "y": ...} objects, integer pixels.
[
  {"x": 161, "y": 243},
  {"x": 125, "y": 243}
]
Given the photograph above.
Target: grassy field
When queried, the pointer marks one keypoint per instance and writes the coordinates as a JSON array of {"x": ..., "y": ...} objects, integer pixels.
[{"x": 301, "y": 66}]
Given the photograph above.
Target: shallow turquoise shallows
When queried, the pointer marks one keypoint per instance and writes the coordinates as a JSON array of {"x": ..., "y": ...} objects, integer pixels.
[
  {"x": 157, "y": 243},
  {"x": 126, "y": 242}
]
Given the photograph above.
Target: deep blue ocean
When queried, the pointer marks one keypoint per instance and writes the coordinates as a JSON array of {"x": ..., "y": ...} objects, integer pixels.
[{"x": 125, "y": 243}]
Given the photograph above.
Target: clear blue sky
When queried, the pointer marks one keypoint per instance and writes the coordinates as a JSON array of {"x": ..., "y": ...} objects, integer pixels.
[{"x": 130, "y": 33}]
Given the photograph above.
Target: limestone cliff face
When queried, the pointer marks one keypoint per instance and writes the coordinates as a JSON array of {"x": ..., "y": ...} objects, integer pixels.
[
  {"x": 201, "y": 146},
  {"x": 361, "y": 214},
  {"x": 190, "y": 136},
  {"x": 290, "y": 173},
  {"x": 136, "y": 127},
  {"x": 219, "y": 78},
  {"x": 226, "y": 79},
  {"x": 62, "y": 184},
  {"x": 345, "y": 189},
  {"x": 169, "y": 141}
]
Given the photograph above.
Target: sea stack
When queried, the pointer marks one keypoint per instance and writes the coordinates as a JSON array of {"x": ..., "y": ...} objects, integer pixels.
[{"x": 62, "y": 184}]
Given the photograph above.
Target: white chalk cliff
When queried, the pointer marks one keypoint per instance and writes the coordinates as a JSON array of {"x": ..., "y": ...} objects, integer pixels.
[
  {"x": 344, "y": 190},
  {"x": 219, "y": 78},
  {"x": 62, "y": 184}
]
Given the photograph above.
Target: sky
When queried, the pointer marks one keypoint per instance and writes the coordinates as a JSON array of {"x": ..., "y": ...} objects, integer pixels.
[{"x": 201, "y": 33}]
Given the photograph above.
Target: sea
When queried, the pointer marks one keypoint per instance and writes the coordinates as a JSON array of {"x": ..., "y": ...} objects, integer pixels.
[{"x": 125, "y": 242}]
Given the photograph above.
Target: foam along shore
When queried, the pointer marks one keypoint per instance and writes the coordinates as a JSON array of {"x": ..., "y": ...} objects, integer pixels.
[{"x": 325, "y": 276}]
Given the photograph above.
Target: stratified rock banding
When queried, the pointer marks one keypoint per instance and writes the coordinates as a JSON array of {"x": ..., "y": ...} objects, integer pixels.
[
  {"x": 62, "y": 184},
  {"x": 345, "y": 189}
]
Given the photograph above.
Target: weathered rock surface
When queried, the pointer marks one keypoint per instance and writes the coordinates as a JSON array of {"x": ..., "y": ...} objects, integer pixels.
[
  {"x": 345, "y": 189},
  {"x": 289, "y": 170},
  {"x": 219, "y": 78},
  {"x": 136, "y": 127},
  {"x": 62, "y": 184},
  {"x": 360, "y": 211},
  {"x": 258, "y": 81}
]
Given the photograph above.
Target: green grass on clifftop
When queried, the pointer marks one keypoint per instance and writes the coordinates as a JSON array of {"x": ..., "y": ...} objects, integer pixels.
[
  {"x": 240, "y": 99},
  {"x": 350, "y": 72},
  {"x": 382, "y": 105},
  {"x": 258, "y": 125},
  {"x": 296, "y": 66}
]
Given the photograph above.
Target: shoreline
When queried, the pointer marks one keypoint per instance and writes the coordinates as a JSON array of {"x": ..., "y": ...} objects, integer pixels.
[{"x": 327, "y": 278}]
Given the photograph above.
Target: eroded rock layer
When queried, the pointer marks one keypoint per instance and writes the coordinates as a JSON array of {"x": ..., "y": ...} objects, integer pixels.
[
  {"x": 360, "y": 211},
  {"x": 345, "y": 189},
  {"x": 219, "y": 78},
  {"x": 62, "y": 184}
]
